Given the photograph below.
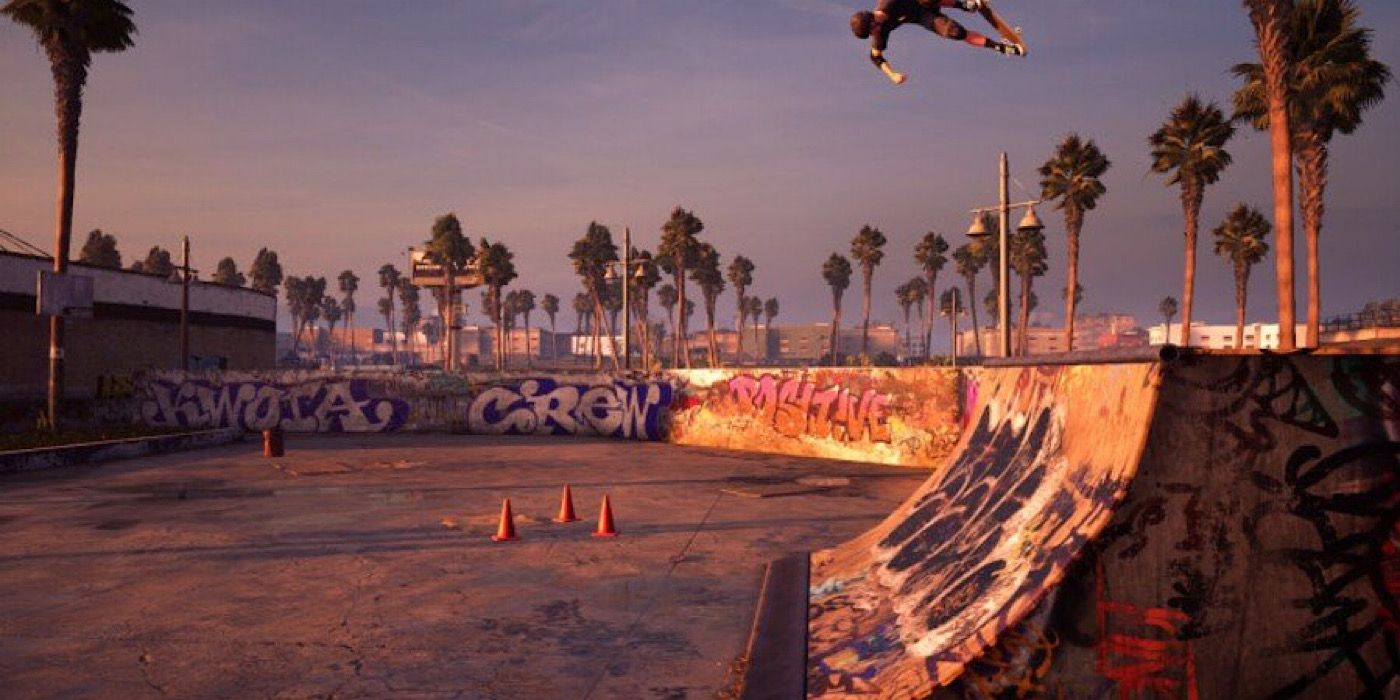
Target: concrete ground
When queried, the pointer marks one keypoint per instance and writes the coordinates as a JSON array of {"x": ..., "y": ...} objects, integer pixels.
[{"x": 361, "y": 567}]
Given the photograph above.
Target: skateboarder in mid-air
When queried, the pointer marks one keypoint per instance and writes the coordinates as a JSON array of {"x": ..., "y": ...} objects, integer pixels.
[{"x": 891, "y": 14}]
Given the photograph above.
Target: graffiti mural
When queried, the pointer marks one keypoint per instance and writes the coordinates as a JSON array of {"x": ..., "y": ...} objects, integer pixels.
[
  {"x": 906, "y": 416},
  {"x": 312, "y": 406},
  {"x": 546, "y": 407},
  {"x": 979, "y": 547}
]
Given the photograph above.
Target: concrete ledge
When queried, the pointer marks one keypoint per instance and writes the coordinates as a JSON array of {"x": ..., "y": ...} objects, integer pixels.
[
  {"x": 777, "y": 650},
  {"x": 108, "y": 450}
]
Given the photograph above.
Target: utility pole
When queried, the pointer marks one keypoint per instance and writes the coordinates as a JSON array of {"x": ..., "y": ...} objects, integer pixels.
[
  {"x": 626, "y": 298},
  {"x": 185, "y": 305},
  {"x": 1003, "y": 298}
]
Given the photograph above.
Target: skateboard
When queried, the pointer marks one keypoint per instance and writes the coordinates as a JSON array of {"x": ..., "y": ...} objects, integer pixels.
[{"x": 1007, "y": 32}]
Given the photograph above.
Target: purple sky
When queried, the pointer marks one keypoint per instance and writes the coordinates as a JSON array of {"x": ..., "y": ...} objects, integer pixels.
[{"x": 335, "y": 131}]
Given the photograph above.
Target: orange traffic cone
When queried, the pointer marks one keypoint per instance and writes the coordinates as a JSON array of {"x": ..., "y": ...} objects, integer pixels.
[
  {"x": 506, "y": 530},
  {"x": 566, "y": 507},
  {"x": 605, "y": 521}
]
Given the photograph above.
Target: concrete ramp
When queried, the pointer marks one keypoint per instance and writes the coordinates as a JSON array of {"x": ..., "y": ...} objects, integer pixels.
[
  {"x": 1045, "y": 456},
  {"x": 1217, "y": 527}
]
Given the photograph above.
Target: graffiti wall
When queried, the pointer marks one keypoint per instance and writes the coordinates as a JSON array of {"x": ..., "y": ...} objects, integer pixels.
[
  {"x": 906, "y": 416},
  {"x": 300, "y": 401}
]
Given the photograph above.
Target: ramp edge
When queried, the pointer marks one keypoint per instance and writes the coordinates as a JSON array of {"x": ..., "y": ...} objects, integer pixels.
[{"x": 777, "y": 647}]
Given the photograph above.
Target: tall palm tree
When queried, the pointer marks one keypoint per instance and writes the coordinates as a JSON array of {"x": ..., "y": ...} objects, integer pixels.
[
  {"x": 497, "y": 265},
  {"x": 969, "y": 259},
  {"x": 1334, "y": 81},
  {"x": 951, "y": 305},
  {"x": 1027, "y": 258},
  {"x": 707, "y": 274},
  {"x": 409, "y": 298},
  {"x": 1272, "y": 35},
  {"x": 677, "y": 252},
  {"x": 549, "y": 304},
  {"x": 771, "y": 308},
  {"x": 348, "y": 283},
  {"x": 592, "y": 254},
  {"x": 931, "y": 255},
  {"x": 918, "y": 295},
  {"x": 386, "y": 309},
  {"x": 525, "y": 305},
  {"x": 70, "y": 32},
  {"x": 904, "y": 297},
  {"x": 668, "y": 297},
  {"x": 389, "y": 280},
  {"x": 453, "y": 251},
  {"x": 837, "y": 273},
  {"x": 583, "y": 309},
  {"x": 1071, "y": 177},
  {"x": 867, "y": 250},
  {"x": 1240, "y": 240},
  {"x": 1168, "y": 308},
  {"x": 1190, "y": 149},
  {"x": 740, "y": 275},
  {"x": 331, "y": 313}
]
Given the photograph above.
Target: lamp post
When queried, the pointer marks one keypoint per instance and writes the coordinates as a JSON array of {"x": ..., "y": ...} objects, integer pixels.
[{"x": 978, "y": 231}]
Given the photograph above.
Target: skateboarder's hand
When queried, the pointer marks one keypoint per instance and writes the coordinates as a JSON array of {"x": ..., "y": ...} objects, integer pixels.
[{"x": 898, "y": 78}]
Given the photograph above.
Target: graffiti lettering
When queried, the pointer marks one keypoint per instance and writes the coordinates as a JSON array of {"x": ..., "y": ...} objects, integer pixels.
[
  {"x": 1140, "y": 652},
  {"x": 545, "y": 407},
  {"x": 796, "y": 407},
  {"x": 313, "y": 406}
]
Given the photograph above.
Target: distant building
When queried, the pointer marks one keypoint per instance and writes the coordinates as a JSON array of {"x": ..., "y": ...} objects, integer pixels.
[
  {"x": 1091, "y": 332},
  {"x": 1262, "y": 336},
  {"x": 135, "y": 325}
]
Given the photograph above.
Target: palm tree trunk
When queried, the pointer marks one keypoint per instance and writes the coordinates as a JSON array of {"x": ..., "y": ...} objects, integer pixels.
[
  {"x": 1192, "y": 194},
  {"x": 906, "y": 327},
  {"x": 976, "y": 328},
  {"x": 1312, "y": 184},
  {"x": 1074, "y": 223},
  {"x": 611, "y": 328},
  {"x": 711, "y": 345},
  {"x": 932, "y": 314},
  {"x": 739, "y": 323},
  {"x": 69, "y": 75},
  {"x": 865, "y": 312},
  {"x": 683, "y": 337},
  {"x": 1271, "y": 25},
  {"x": 1025, "y": 315},
  {"x": 1241, "y": 290},
  {"x": 835, "y": 331}
]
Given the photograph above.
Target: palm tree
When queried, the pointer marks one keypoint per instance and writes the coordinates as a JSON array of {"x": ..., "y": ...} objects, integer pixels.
[
  {"x": 583, "y": 309},
  {"x": 1240, "y": 240},
  {"x": 918, "y": 295},
  {"x": 525, "y": 305},
  {"x": 349, "y": 283},
  {"x": 386, "y": 309},
  {"x": 412, "y": 315},
  {"x": 931, "y": 255},
  {"x": 389, "y": 280},
  {"x": 100, "y": 250},
  {"x": 771, "y": 307},
  {"x": 950, "y": 304},
  {"x": 867, "y": 249},
  {"x": 1071, "y": 176},
  {"x": 332, "y": 313},
  {"x": 266, "y": 272},
  {"x": 668, "y": 297},
  {"x": 70, "y": 32},
  {"x": 453, "y": 251},
  {"x": 741, "y": 276},
  {"x": 1190, "y": 149},
  {"x": 707, "y": 274},
  {"x": 677, "y": 252},
  {"x": 904, "y": 298},
  {"x": 969, "y": 259},
  {"x": 837, "y": 273},
  {"x": 1168, "y": 308},
  {"x": 497, "y": 265},
  {"x": 592, "y": 254},
  {"x": 549, "y": 304},
  {"x": 1334, "y": 81},
  {"x": 1272, "y": 20},
  {"x": 228, "y": 275},
  {"x": 1027, "y": 258}
]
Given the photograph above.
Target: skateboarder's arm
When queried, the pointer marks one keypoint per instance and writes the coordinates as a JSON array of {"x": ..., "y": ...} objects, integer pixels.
[{"x": 879, "y": 39}]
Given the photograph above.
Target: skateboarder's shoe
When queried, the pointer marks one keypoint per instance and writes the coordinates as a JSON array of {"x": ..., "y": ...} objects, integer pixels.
[{"x": 974, "y": 5}]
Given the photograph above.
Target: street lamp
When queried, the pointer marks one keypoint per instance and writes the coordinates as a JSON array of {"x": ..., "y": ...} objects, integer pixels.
[
  {"x": 978, "y": 231},
  {"x": 610, "y": 273}
]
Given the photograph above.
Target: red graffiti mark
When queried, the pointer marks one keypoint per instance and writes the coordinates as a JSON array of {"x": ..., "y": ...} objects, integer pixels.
[
  {"x": 1139, "y": 650},
  {"x": 1390, "y": 578},
  {"x": 796, "y": 407}
]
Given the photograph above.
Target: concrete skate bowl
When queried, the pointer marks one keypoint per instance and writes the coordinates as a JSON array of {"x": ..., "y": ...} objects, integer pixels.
[{"x": 1218, "y": 527}]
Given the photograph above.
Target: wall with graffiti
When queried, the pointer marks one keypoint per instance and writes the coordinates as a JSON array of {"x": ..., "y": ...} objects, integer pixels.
[
  {"x": 302, "y": 401},
  {"x": 1219, "y": 527},
  {"x": 907, "y": 416}
]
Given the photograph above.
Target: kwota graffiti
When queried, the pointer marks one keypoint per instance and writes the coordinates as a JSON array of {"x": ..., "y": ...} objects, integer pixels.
[{"x": 312, "y": 406}]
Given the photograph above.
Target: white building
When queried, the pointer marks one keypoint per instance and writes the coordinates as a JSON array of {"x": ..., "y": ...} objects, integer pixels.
[{"x": 1221, "y": 337}]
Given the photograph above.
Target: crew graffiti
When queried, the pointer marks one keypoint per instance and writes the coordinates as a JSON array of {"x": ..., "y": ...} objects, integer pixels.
[
  {"x": 319, "y": 405},
  {"x": 546, "y": 407},
  {"x": 796, "y": 407}
]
